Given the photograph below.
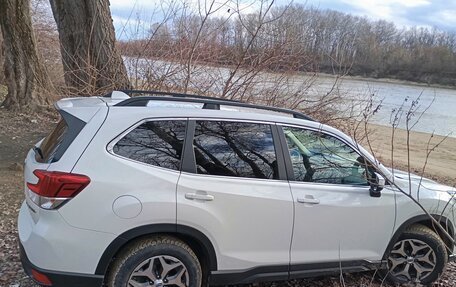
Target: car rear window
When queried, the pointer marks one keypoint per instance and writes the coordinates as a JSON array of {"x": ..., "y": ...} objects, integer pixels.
[{"x": 51, "y": 143}]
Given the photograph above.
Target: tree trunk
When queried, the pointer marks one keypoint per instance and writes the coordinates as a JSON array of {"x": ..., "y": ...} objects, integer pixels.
[
  {"x": 26, "y": 77},
  {"x": 91, "y": 61},
  {"x": 2, "y": 59}
]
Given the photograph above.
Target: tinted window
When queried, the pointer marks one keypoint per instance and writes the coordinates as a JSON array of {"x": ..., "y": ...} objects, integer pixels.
[
  {"x": 235, "y": 149},
  {"x": 318, "y": 157},
  {"x": 52, "y": 142},
  {"x": 157, "y": 143}
]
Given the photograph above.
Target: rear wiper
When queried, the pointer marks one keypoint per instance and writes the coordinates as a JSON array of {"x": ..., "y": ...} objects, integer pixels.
[{"x": 38, "y": 151}]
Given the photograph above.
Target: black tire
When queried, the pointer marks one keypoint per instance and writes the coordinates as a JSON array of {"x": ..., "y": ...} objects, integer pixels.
[
  {"x": 419, "y": 236},
  {"x": 169, "y": 249}
]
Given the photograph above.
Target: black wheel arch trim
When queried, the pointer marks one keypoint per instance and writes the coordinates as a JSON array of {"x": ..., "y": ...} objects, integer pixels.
[
  {"x": 172, "y": 229},
  {"x": 417, "y": 219}
]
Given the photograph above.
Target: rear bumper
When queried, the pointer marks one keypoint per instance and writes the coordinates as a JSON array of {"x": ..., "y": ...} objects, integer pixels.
[
  {"x": 67, "y": 256},
  {"x": 63, "y": 279}
]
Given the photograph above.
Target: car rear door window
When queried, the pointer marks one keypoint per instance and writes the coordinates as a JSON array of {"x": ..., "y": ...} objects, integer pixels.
[
  {"x": 157, "y": 143},
  {"x": 235, "y": 149}
]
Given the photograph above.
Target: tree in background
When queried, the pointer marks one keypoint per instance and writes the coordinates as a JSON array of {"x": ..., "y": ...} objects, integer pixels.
[
  {"x": 25, "y": 75},
  {"x": 91, "y": 61},
  {"x": 296, "y": 36}
]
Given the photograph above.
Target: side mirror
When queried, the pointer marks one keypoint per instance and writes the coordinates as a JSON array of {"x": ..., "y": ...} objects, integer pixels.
[{"x": 377, "y": 185}]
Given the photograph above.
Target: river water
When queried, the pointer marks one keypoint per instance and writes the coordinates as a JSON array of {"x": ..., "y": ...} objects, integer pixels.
[
  {"x": 436, "y": 107},
  {"x": 439, "y": 104}
]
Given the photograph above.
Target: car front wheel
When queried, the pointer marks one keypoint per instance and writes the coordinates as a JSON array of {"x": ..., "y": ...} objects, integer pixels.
[{"x": 419, "y": 256}]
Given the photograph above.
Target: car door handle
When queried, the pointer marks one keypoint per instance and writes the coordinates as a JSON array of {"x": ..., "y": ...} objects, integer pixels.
[
  {"x": 309, "y": 200},
  {"x": 198, "y": 196}
]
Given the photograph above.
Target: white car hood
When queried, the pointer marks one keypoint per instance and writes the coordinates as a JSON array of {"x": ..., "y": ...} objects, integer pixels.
[{"x": 425, "y": 182}]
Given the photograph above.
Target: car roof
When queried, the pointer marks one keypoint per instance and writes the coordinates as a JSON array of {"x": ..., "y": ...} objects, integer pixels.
[
  {"x": 147, "y": 98},
  {"x": 182, "y": 104},
  {"x": 234, "y": 114}
]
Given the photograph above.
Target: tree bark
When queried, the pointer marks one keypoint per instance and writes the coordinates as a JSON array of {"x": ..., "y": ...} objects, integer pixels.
[
  {"x": 91, "y": 61},
  {"x": 25, "y": 75},
  {"x": 2, "y": 59}
]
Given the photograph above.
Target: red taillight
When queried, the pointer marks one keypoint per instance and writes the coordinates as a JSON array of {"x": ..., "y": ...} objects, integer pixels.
[
  {"x": 41, "y": 278},
  {"x": 53, "y": 184}
]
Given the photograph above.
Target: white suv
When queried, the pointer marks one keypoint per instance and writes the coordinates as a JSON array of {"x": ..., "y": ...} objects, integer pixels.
[{"x": 167, "y": 189}]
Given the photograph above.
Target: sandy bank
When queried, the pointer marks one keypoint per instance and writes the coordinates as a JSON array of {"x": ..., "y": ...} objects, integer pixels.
[{"x": 441, "y": 164}]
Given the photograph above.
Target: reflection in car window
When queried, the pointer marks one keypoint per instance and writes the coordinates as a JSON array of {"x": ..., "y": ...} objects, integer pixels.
[
  {"x": 157, "y": 143},
  {"x": 235, "y": 149},
  {"x": 318, "y": 157},
  {"x": 52, "y": 142}
]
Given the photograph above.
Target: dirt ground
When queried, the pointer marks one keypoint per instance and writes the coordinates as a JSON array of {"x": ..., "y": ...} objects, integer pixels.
[{"x": 18, "y": 132}]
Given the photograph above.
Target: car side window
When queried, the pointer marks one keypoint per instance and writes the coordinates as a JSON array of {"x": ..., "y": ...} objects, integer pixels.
[
  {"x": 321, "y": 158},
  {"x": 157, "y": 143},
  {"x": 235, "y": 149}
]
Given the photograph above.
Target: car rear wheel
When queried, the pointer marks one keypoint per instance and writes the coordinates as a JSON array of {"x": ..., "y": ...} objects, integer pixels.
[
  {"x": 159, "y": 262},
  {"x": 419, "y": 256}
]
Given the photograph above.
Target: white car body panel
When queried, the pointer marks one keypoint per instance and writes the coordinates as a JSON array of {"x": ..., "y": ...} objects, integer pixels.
[
  {"x": 50, "y": 242},
  {"x": 249, "y": 220},
  {"x": 347, "y": 224}
]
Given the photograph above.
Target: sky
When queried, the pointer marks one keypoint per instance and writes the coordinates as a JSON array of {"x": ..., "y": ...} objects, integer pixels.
[
  {"x": 427, "y": 13},
  {"x": 404, "y": 13}
]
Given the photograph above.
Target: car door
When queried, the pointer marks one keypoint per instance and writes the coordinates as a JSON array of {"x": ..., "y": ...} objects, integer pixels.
[
  {"x": 336, "y": 220},
  {"x": 235, "y": 191}
]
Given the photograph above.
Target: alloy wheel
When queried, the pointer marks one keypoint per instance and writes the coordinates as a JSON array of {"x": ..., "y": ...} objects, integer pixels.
[
  {"x": 411, "y": 260},
  {"x": 160, "y": 271}
]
